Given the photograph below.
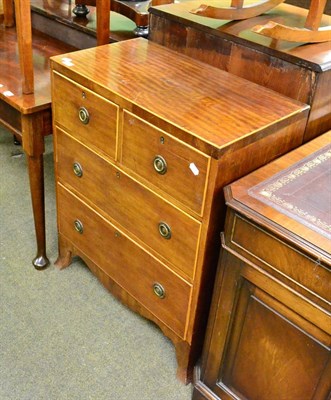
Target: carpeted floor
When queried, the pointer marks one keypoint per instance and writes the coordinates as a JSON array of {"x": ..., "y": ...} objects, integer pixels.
[{"x": 62, "y": 335}]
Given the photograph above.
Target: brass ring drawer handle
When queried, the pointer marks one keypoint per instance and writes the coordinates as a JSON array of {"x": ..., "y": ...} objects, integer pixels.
[
  {"x": 78, "y": 170},
  {"x": 78, "y": 226},
  {"x": 83, "y": 115},
  {"x": 160, "y": 165},
  {"x": 164, "y": 230},
  {"x": 159, "y": 290}
]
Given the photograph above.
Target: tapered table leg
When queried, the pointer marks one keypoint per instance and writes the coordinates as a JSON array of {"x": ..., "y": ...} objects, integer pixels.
[
  {"x": 36, "y": 177},
  {"x": 34, "y": 127}
]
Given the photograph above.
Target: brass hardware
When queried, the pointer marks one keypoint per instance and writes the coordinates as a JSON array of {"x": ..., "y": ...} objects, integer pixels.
[
  {"x": 160, "y": 165},
  {"x": 118, "y": 175},
  {"x": 162, "y": 140},
  {"x": 78, "y": 170},
  {"x": 78, "y": 226},
  {"x": 117, "y": 234},
  {"x": 159, "y": 290},
  {"x": 84, "y": 115},
  {"x": 164, "y": 230},
  {"x": 83, "y": 95}
]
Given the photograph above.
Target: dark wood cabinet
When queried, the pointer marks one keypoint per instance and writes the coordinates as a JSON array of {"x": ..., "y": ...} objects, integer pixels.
[
  {"x": 269, "y": 328},
  {"x": 301, "y": 71}
]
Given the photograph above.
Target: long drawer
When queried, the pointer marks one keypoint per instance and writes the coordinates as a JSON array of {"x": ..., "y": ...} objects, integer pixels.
[
  {"x": 161, "y": 291},
  {"x": 86, "y": 115},
  {"x": 160, "y": 225},
  {"x": 283, "y": 258},
  {"x": 167, "y": 163}
]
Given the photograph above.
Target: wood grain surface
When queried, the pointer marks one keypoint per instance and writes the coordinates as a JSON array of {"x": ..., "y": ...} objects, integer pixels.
[{"x": 218, "y": 107}]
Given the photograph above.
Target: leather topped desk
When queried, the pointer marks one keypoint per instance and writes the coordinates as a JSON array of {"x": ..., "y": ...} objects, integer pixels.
[
  {"x": 269, "y": 327},
  {"x": 299, "y": 70}
]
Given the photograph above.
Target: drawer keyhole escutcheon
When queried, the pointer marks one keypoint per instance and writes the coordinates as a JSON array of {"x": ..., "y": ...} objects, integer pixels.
[
  {"x": 160, "y": 165},
  {"x": 83, "y": 115},
  {"x": 159, "y": 290},
  {"x": 78, "y": 226},
  {"x": 164, "y": 230},
  {"x": 78, "y": 170}
]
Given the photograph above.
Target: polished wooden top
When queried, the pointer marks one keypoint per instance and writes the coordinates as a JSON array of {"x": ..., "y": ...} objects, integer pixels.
[
  {"x": 218, "y": 108},
  {"x": 10, "y": 73},
  {"x": 314, "y": 56},
  {"x": 291, "y": 195}
]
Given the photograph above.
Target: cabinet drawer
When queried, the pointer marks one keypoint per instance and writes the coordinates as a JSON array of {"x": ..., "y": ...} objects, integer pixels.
[
  {"x": 165, "y": 162},
  {"x": 136, "y": 208},
  {"x": 85, "y": 115},
  {"x": 281, "y": 257},
  {"x": 125, "y": 262}
]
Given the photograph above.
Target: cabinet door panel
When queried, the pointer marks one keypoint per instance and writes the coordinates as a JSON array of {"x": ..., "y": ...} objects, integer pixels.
[
  {"x": 265, "y": 351},
  {"x": 268, "y": 356}
]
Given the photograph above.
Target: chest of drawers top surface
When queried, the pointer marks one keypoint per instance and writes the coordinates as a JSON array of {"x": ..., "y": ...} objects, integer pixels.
[
  {"x": 292, "y": 196},
  {"x": 215, "y": 107},
  {"x": 315, "y": 56}
]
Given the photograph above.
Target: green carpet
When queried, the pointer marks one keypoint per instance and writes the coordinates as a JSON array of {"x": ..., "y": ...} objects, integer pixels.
[{"x": 62, "y": 335}]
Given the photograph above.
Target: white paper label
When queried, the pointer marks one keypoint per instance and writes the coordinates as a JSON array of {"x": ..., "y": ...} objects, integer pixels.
[
  {"x": 67, "y": 61},
  {"x": 7, "y": 93},
  {"x": 194, "y": 169}
]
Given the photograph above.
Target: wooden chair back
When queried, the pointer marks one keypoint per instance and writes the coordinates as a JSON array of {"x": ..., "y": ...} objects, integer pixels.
[
  {"x": 237, "y": 11},
  {"x": 315, "y": 14},
  {"x": 310, "y": 33}
]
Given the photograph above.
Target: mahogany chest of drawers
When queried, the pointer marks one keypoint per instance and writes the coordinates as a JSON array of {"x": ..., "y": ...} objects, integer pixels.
[
  {"x": 301, "y": 71},
  {"x": 269, "y": 331},
  {"x": 145, "y": 140}
]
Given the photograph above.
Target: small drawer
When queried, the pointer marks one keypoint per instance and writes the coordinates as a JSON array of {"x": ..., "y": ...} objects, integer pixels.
[
  {"x": 252, "y": 241},
  {"x": 157, "y": 223},
  {"x": 165, "y": 162},
  {"x": 162, "y": 292},
  {"x": 87, "y": 116}
]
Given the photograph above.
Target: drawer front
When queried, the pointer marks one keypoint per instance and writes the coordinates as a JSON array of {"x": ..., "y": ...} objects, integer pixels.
[
  {"x": 87, "y": 116},
  {"x": 166, "y": 229},
  {"x": 169, "y": 164},
  {"x": 251, "y": 240},
  {"x": 140, "y": 274}
]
